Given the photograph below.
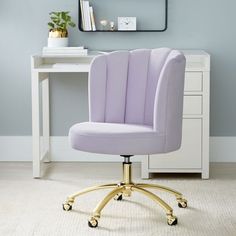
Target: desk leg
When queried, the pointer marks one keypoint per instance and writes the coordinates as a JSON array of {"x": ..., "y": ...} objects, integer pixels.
[
  {"x": 205, "y": 127},
  {"x": 45, "y": 119},
  {"x": 144, "y": 167},
  {"x": 36, "y": 124}
]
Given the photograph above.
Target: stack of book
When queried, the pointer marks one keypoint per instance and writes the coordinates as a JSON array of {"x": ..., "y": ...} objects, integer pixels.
[
  {"x": 64, "y": 51},
  {"x": 87, "y": 15}
]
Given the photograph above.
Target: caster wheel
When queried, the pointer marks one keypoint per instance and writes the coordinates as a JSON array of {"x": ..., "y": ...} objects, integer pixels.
[
  {"x": 182, "y": 203},
  {"x": 67, "y": 207},
  {"x": 93, "y": 223},
  {"x": 118, "y": 197},
  {"x": 172, "y": 220}
]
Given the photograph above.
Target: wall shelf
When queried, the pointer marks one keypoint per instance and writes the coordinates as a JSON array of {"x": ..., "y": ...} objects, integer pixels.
[{"x": 164, "y": 28}]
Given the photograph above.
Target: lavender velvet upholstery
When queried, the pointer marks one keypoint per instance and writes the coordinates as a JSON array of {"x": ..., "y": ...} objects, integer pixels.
[{"x": 135, "y": 103}]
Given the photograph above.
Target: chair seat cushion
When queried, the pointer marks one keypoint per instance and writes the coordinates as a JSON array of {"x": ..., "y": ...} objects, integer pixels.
[{"x": 116, "y": 138}]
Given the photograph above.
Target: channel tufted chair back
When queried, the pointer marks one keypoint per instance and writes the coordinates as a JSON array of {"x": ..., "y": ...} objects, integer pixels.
[{"x": 143, "y": 87}]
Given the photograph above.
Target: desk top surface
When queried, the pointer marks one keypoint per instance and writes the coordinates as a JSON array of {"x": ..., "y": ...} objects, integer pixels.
[{"x": 197, "y": 60}]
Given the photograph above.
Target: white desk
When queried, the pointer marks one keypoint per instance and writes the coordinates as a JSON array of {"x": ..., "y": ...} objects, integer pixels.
[{"x": 41, "y": 67}]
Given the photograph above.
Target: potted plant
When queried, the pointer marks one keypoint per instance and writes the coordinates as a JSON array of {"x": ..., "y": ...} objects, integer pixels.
[{"x": 58, "y": 33}]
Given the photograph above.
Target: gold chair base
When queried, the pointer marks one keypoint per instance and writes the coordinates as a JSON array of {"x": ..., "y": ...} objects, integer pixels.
[{"x": 125, "y": 188}]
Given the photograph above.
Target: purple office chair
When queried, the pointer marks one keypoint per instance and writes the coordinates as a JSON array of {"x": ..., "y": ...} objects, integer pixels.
[{"x": 135, "y": 108}]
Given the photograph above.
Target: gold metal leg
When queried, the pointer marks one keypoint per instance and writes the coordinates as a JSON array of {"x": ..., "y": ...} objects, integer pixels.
[
  {"x": 179, "y": 197},
  {"x": 67, "y": 206},
  {"x": 103, "y": 203},
  {"x": 171, "y": 219},
  {"x": 159, "y": 187},
  {"x": 155, "y": 198},
  {"x": 93, "y": 222},
  {"x": 90, "y": 189}
]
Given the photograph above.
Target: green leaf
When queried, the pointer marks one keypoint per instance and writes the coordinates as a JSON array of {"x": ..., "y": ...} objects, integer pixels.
[
  {"x": 50, "y": 24},
  {"x": 60, "y": 15},
  {"x": 56, "y": 20},
  {"x": 72, "y": 24},
  {"x": 63, "y": 16},
  {"x": 54, "y": 13},
  {"x": 62, "y": 25}
]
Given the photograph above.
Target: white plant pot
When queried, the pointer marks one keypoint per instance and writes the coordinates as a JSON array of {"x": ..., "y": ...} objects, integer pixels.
[{"x": 58, "y": 42}]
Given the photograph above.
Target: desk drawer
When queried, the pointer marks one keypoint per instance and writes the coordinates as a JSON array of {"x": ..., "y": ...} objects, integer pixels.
[
  {"x": 189, "y": 155},
  {"x": 193, "y": 82},
  {"x": 192, "y": 105}
]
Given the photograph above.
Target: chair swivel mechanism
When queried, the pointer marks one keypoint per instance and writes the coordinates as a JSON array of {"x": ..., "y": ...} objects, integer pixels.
[{"x": 135, "y": 108}]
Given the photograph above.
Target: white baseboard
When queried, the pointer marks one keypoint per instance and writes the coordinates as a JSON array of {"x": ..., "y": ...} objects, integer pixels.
[
  {"x": 18, "y": 148},
  {"x": 223, "y": 149}
]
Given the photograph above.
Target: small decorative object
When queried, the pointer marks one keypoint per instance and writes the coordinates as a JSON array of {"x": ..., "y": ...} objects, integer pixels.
[
  {"x": 112, "y": 25},
  {"x": 58, "y": 33},
  {"x": 127, "y": 23},
  {"x": 104, "y": 24}
]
